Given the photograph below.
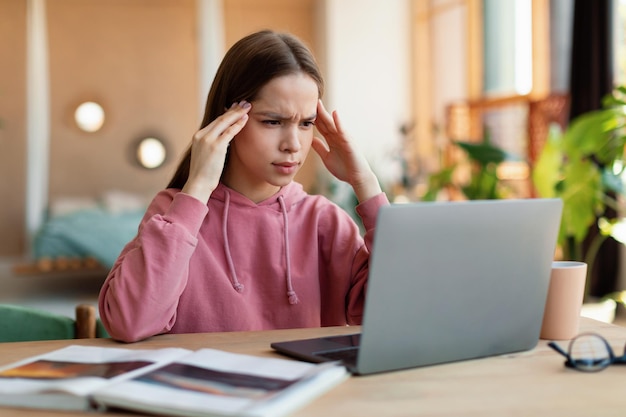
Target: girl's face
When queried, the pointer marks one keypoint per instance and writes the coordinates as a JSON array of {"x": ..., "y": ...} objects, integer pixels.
[{"x": 272, "y": 146}]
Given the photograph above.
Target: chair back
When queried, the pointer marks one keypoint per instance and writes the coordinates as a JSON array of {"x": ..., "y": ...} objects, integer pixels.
[{"x": 20, "y": 324}]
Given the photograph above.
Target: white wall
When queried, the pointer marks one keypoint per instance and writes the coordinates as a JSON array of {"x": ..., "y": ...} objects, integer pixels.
[{"x": 365, "y": 54}]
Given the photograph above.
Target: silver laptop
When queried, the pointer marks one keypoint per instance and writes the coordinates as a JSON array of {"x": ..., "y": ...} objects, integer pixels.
[{"x": 448, "y": 281}]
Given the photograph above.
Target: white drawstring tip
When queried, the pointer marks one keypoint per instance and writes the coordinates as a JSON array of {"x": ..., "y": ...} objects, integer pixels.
[{"x": 293, "y": 297}]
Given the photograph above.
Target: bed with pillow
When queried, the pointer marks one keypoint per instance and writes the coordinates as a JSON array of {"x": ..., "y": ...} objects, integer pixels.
[{"x": 85, "y": 233}]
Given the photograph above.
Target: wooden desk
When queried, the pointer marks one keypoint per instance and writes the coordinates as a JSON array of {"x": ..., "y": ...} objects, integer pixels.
[{"x": 533, "y": 383}]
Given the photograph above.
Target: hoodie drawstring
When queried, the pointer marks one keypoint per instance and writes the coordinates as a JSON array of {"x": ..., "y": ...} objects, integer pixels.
[
  {"x": 233, "y": 275},
  {"x": 291, "y": 294}
]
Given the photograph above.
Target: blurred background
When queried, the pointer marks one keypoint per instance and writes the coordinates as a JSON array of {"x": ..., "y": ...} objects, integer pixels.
[{"x": 410, "y": 78}]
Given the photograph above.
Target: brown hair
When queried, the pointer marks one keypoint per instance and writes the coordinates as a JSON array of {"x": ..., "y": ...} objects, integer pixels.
[{"x": 247, "y": 66}]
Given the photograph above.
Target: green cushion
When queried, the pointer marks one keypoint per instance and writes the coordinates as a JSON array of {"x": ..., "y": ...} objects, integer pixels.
[{"x": 19, "y": 324}]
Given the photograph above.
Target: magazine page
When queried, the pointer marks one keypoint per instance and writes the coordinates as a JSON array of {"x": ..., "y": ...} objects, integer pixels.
[
  {"x": 216, "y": 383},
  {"x": 78, "y": 370}
]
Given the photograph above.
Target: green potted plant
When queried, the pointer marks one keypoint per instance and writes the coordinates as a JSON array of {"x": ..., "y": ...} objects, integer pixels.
[
  {"x": 483, "y": 183},
  {"x": 584, "y": 165}
]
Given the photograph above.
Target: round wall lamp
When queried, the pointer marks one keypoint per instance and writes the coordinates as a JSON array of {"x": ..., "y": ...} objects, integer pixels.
[
  {"x": 151, "y": 152},
  {"x": 89, "y": 116}
]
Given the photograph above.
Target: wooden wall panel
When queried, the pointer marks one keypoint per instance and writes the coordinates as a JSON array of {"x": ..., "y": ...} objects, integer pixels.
[
  {"x": 12, "y": 126},
  {"x": 139, "y": 60}
]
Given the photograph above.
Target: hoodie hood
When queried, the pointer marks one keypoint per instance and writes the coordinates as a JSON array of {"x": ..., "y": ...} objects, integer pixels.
[
  {"x": 283, "y": 201},
  {"x": 291, "y": 194}
]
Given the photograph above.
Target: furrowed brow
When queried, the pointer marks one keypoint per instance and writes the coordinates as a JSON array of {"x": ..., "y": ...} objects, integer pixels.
[
  {"x": 277, "y": 116},
  {"x": 271, "y": 115}
]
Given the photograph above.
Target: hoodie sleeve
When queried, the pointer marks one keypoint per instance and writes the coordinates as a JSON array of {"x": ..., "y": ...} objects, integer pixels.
[
  {"x": 368, "y": 211},
  {"x": 344, "y": 263},
  {"x": 140, "y": 296}
]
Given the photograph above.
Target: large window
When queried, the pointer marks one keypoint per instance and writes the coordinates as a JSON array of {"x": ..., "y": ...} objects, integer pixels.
[{"x": 507, "y": 47}]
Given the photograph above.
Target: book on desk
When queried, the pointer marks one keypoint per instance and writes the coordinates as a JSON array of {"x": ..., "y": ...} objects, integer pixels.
[{"x": 169, "y": 381}]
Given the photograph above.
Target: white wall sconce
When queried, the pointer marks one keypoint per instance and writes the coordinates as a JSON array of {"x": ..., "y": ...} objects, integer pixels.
[
  {"x": 89, "y": 116},
  {"x": 151, "y": 152}
]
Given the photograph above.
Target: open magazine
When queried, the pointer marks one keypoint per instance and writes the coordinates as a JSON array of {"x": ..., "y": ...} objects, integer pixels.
[{"x": 169, "y": 381}]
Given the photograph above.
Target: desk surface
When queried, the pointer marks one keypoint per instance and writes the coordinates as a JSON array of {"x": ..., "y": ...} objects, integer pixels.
[{"x": 532, "y": 383}]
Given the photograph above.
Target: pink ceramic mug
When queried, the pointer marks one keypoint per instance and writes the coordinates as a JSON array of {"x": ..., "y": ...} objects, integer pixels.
[{"x": 561, "y": 317}]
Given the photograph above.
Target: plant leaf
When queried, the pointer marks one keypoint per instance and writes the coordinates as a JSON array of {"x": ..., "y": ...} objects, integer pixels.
[
  {"x": 582, "y": 199},
  {"x": 589, "y": 133},
  {"x": 484, "y": 153},
  {"x": 438, "y": 181},
  {"x": 547, "y": 170}
]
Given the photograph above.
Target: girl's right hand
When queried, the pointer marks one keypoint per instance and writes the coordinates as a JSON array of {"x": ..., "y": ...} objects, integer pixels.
[{"x": 208, "y": 150}]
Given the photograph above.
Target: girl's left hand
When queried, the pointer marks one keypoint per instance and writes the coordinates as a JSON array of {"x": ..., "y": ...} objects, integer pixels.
[{"x": 340, "y": 156}]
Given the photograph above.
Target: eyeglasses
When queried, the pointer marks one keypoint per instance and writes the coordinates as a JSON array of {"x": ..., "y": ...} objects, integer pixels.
[{"x": 589, "y": 352}]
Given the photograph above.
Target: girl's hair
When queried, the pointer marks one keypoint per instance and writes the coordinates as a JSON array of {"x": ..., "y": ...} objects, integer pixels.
[{"x": 247, "y": 66}]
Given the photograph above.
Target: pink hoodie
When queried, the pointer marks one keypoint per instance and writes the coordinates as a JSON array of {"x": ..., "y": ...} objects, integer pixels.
[{"x": 293, "y": 260}]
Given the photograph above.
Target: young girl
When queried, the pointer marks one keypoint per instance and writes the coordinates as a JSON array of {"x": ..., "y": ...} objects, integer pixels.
[{"x": 234, "y": 243}]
